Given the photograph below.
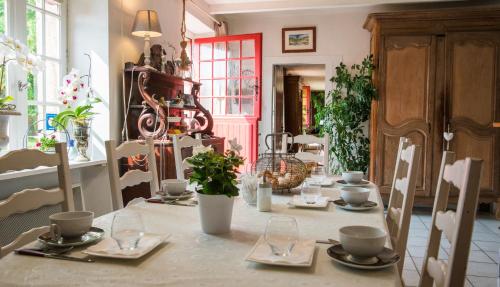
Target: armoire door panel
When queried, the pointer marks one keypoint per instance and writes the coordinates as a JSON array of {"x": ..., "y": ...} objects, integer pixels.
[
  {"x": 473, "y": 99},
  {"x": 407, "y": 66},
  {"x": 391, "y": 143},
  {"x": 467, "y": 144},
  {"x": 473, "y": 80}
]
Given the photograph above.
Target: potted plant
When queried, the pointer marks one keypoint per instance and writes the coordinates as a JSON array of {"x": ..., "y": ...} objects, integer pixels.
[
  {"x": 215, "y": 175},
  {"x": 12, "y": 51},
  {"x": 345, "y": 116},
  {"x": 79, "y": 100}
]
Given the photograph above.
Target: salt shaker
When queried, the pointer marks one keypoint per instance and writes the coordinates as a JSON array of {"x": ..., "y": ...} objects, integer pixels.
[{"x": 264, "y": 194}]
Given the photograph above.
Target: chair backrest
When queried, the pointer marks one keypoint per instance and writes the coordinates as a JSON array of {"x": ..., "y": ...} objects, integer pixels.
[
  {"x": 32, "y": 199},
  {"x": 322, "y": 157},
  {"x": 402, "y": 196},
  {"x": 131, "y": 177},
  {"x": 457, "y": 226},
  {"x": 179, "y": 143}
]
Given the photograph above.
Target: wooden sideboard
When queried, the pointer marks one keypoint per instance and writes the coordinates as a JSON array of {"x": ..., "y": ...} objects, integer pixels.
[
  {"x": 149, "y": 117},
  {"x": 436, "y": 70}
]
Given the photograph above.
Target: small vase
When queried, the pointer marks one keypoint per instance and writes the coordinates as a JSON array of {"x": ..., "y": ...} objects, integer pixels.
[
  {"x": 216, "y": 212},
  {"x": 81, "y": 133}
]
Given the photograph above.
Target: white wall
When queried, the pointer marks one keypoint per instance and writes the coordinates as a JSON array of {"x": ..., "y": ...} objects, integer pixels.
[{"x": 339, "y": 37}]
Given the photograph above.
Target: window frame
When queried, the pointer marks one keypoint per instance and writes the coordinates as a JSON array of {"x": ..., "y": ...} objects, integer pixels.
[{"x": 16, "y": 27}]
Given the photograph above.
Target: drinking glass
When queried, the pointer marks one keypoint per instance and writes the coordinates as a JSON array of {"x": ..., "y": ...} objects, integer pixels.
[
  {"x": 282, "y": 233},
  {"x": 318, "y": 174},
  {"x": 310, "y": 192},
  {"x": 127, "y": 229}
]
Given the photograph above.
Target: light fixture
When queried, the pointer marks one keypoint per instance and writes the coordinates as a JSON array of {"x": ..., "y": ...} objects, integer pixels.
[
  {"x": 146, "y": 25},
  {"x": 185, "y": 62}
]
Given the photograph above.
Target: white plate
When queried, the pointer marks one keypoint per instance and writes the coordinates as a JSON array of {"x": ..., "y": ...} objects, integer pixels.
[
  {"x": 342, "y": 182},
  {"x": 341, "y": 203},
  {"x": 302, "y": 254},
  {"x": 109, "y": 248},
  {"x": 297, "y": 201},
  {"x": 325, "y": 183},
  {"x": 185, "y": 195}
]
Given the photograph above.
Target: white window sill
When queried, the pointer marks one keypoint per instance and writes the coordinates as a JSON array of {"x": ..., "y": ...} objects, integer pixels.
[{"x": 43, "y": 170}]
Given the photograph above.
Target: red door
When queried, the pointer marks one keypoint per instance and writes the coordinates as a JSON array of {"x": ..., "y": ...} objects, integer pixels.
[{"x": 229, "y": 70}]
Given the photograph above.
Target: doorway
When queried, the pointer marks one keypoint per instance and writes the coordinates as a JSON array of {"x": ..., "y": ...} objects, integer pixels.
[{"x": 299, "y": 91}]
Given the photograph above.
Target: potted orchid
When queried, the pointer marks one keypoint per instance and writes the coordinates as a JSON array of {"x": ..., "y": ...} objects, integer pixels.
[
  {"x": 215, "y": 175},
  {"x": 79, "y": 99},
  {"x": 16, "y": 53}
]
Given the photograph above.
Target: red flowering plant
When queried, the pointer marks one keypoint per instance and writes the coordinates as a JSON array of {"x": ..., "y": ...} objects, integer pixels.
[{"x": 46, "y": 142}]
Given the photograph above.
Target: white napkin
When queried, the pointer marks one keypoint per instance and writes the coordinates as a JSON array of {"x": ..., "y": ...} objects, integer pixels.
[
  {"x": 298, "y": 200},
  {"x": 109, "y": 246},
  {"x": 301, "y": 253}
]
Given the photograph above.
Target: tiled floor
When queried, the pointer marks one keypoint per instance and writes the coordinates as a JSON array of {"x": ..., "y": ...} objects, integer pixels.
[{"x": 482, "y": 270}]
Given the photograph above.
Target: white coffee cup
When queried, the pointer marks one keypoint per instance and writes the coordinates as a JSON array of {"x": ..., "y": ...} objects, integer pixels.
[
  {"x": 353, "y": 176},
  {"x": 354, "y": 195},
  {"x": 174, "y": 186},
  {"x": 72, "y": 223},
  {"x": 362, "y": 241}
]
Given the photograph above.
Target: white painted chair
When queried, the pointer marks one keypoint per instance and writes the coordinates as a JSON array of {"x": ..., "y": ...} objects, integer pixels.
[
  {"x": 32, "y": 199},
  {"x": 179, "y": 143},
  {"x": 322, "y": 157},
  {"x": 131, "y": 177},
  {"x": 457, "y": 226},
  {"x": 402, "y": 196}
]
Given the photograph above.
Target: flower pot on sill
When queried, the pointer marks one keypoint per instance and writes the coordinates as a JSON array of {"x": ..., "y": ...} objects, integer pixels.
[
  {"x": 216, "y": 212},
  {"x": 4, "y": 126}
]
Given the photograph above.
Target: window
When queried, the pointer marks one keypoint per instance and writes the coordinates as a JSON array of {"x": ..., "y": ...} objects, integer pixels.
[{"x": 40, "y": 24}]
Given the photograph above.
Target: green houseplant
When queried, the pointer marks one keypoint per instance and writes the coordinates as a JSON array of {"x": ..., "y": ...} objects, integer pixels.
[
  {"x": 215, "y": 175},
  {"x": 345, "y": 115}
]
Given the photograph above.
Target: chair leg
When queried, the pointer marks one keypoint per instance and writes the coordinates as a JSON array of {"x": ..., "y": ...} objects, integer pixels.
[{"x": 497, "y": 209}]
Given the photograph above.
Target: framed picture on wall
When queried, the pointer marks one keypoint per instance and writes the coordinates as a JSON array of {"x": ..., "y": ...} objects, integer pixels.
[{"x": 298, "y": 40}]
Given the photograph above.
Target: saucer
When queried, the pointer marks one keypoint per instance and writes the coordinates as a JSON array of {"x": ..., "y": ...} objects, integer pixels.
[
  {"x": 185, "y": 195},
  {"x": 383, "y": 260},
  {"x": 109, "y": 248},
  {"x": 94, "y": 234},
  {"x": 324, "y": 183},
  {"x": 345, "y": 183},
  {"x": 364, "y": 206}
]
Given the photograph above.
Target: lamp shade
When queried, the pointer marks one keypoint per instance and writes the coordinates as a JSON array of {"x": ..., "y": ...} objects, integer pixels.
[{"x": 146, "y": 24}]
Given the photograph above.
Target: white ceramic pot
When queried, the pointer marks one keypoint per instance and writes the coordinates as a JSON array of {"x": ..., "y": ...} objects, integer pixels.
[
  {"x": 216, "y": 212},
  {"x": 4, "y": 126}
]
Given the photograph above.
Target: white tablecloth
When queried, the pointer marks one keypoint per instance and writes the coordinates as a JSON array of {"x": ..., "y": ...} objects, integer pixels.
[{"x": 192, "y": 258}]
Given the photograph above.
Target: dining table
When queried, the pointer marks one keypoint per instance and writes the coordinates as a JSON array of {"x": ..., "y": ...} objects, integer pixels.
[{"x": 190, "y": 257}]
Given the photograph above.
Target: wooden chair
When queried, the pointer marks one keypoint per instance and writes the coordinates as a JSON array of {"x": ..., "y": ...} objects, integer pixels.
[
  {"x": 321, "y": 158},
  {"x": 402, "y": 196},
  {"x": 456, "y": 226},
  {"x": 131, "y": 177},
  {"x": 32, "y": 199},
  {"x": 179, "y": 143}
]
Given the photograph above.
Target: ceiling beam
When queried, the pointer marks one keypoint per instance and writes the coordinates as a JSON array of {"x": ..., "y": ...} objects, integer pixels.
[{"x": 271, "y": 6}]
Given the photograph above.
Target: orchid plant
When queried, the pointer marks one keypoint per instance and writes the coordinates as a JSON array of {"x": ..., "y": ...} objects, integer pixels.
[
  {"x": 78, "y": 98},
  {"x": 13, "y": 51}
]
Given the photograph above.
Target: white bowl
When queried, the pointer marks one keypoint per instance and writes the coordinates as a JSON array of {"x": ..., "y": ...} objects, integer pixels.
[
  {"x": 174, "y": 186},
  {"x": 354, "y": 195},
  {"x": 362, "y": 241},
  {"x": 353, "y": 176},
  {"x": 72, "y": 223}
]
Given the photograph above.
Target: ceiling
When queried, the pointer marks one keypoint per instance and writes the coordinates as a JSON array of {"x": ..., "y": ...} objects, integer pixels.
[{"x": 249, "y": 6}]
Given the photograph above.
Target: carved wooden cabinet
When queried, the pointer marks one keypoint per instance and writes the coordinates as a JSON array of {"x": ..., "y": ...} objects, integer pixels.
[{"x": 436, "y": 70}]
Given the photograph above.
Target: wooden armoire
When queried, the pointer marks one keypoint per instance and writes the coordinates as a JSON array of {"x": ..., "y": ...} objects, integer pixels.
[{"x": 434, "y": 70}]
